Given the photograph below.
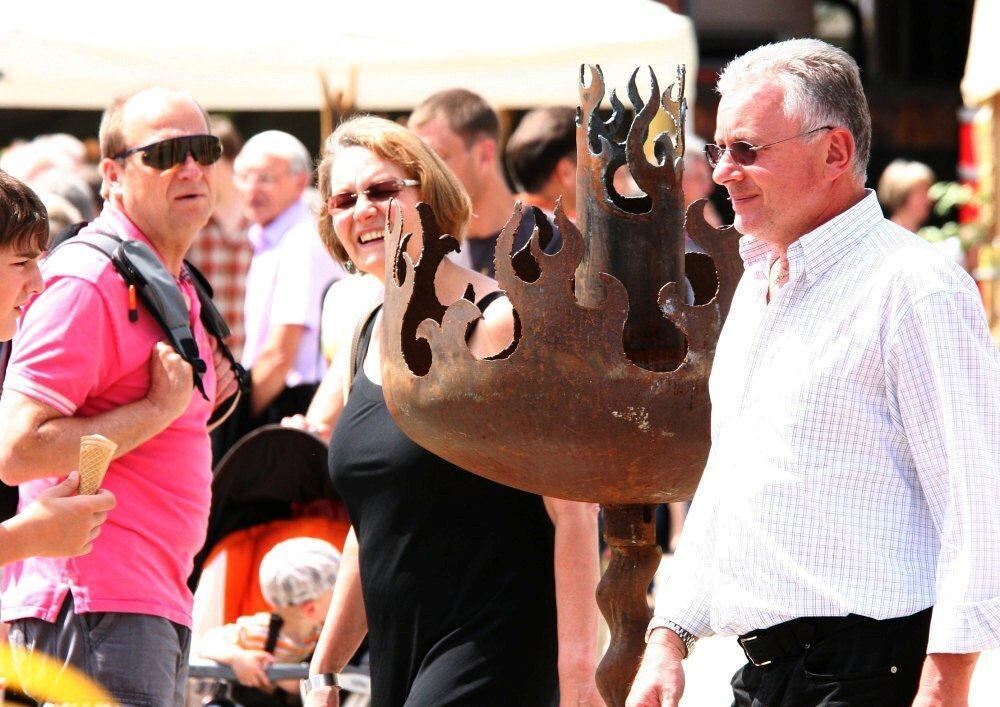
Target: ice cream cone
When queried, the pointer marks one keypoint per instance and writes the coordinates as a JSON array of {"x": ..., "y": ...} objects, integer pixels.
[{"x": 95, "y": 456}]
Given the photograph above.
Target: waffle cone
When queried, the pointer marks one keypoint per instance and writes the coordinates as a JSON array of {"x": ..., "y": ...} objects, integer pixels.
[{"x": 95, "y": 456}]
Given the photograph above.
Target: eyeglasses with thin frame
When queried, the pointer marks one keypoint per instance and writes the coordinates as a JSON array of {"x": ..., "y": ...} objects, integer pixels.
[
  {"x": 162, "y": 155},
  {"x": 378, "y": 192},
  {"x": 745, "y": 153},
  {"x": 248, "y": 177}
]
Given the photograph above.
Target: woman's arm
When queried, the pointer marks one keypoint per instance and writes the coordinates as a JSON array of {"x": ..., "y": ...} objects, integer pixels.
[
  {"x": 577, "y": 571},
  {"x": 345, "y": 625},
  {"x": 326, "y": 405}
]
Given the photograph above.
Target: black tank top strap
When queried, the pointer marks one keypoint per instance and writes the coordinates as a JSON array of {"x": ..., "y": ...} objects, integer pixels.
[
  {"x": 489, "y": 299},
  {"x": 365, "y": 338},
  {"x": 366, "y": 331},
  {"x": 484, "y": 302}
]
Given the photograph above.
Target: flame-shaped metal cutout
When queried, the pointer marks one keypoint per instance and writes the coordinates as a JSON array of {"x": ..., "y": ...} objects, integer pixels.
[{"x": 570, "y": 411}]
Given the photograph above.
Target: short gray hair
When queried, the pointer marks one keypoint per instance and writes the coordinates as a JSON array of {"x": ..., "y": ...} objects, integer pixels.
[
  {"x": 822, "y": 86},
  {"x": 276, "y": 143}
]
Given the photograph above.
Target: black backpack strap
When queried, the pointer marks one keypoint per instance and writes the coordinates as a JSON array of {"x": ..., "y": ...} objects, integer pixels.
[
  {"x": 145, "y": 275},
  {"x": 215, "y": 324},
  {"x": 213, "y": 320}
]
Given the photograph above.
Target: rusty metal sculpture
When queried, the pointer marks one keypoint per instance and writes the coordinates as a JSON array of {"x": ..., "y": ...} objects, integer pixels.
[{"x": 602, "y": 395}]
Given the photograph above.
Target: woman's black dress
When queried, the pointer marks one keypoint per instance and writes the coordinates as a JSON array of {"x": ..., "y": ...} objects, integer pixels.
[{"x": 456, "y": 570}]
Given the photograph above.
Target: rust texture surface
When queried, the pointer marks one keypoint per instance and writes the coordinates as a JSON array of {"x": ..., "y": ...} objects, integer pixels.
[{"x": 603, "y": 395}]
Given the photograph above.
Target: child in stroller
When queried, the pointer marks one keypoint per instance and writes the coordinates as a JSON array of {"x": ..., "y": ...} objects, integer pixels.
[
  {"x": 296, "y": 579},
  {"x": 272, "y": 486}
]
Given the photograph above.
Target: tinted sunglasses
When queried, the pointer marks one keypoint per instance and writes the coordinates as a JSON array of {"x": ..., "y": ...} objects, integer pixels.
[
  {"x": 206, "y": 150},
  {"x": 379, "y": 192},
  {"x": 745, "y": 153}
]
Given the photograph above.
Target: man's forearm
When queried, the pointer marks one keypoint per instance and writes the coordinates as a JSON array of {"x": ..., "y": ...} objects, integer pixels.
[
  {"x": 945, "y": 678},
  {"x": 272, "y": 366},
  {"x": 268, "y": 380},
  {"x": 15, "y": 541},
  {"x": 32, "y": 450}
]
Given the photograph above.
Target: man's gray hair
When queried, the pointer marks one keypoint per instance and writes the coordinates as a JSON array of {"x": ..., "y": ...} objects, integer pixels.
[
  {"x": 822, "y": 86},
  {"x": 276, "y": 143}
]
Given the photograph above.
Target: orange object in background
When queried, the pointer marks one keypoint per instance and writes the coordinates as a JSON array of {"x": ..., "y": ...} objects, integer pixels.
[{"x": 246, "y": 548}]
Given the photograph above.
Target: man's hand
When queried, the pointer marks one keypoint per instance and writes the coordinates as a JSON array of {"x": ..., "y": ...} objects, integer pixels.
[
  {"x": 323, "y": 697},
  {"x": 251, "y": 667},
  {"x": 660, "y": 680},
  {"x": 61, "y": 524},
  {"x": 171, "y": 382},
  {"x": 944, "y": 681},
  {"x": 225, "y": 378}
]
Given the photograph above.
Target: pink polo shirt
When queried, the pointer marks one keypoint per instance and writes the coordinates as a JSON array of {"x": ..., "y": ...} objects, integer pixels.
[{"x": 77, "y": 351}]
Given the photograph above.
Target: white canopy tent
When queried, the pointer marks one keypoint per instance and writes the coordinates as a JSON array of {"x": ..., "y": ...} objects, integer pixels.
[
  {"x": 380, "y": 54},
  {"x": 982, "y": 68}
]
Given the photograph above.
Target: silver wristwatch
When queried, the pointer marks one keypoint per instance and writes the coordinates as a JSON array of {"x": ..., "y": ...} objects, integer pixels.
[
  {"x": 314, "y": 682},
  {"x": 686, "y": 636}
]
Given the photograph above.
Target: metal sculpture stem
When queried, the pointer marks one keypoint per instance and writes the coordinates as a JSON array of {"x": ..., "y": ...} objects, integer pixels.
[{"x": 621, "y": 596}]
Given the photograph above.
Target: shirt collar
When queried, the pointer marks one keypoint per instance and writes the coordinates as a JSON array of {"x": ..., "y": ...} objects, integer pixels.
[
  {"x": 817, "y": 250},
  {"x": 267, "y": 237},
  {"x": 123, "y": 226}
]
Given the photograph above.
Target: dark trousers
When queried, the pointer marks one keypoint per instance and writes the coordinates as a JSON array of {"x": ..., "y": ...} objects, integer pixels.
[
  {"x": 851, "y": 661},
  {"x": 139, "y": 660}
]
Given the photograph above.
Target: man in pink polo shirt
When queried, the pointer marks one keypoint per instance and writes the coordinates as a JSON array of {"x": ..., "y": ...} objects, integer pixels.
[{"x": 121, "y": 614}]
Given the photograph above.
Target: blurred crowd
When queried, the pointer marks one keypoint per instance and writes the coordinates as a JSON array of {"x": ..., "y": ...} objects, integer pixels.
[{"x": 289, "y": 291}]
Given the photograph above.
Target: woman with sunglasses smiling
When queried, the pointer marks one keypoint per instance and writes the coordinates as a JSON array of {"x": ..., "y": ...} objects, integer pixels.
[{"x": 453, "y": 577}]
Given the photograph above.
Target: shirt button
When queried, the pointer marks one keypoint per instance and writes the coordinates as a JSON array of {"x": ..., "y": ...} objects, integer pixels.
[{"x": 893, "y": 670}]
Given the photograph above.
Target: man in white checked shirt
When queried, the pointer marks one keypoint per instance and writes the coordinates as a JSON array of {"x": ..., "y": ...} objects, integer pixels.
[{"x": 847, "y": 527}]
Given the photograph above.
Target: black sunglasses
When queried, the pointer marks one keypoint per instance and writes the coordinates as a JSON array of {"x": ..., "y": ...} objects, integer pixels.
[
  {"x": 745, "y": 153},
  {"x": 206, "y": 150},
  {"x": 379, "y": 191}
]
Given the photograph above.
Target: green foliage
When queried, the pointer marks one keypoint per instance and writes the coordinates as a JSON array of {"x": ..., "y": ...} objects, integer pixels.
[{"x": 947, "y": 198}]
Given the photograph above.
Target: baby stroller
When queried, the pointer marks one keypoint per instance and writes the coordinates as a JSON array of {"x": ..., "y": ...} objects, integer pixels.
[{"x": 271, "y": 486}]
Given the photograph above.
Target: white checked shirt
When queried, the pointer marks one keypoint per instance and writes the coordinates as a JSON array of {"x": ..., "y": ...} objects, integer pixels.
[
  {"x": 855, "y": 463},
  {"x": 289, "y": 273}
]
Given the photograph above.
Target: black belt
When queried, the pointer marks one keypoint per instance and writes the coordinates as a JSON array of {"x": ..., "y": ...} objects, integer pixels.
[{"x": 794, "y": 637}]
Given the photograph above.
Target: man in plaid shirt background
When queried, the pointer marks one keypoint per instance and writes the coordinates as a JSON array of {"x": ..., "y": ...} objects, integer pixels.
[{"x": 221, "y": 251}]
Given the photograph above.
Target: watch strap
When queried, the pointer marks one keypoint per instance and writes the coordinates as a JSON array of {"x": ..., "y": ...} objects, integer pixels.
[
  {"x": 314, "y": 682},
  {"x": 686, "y": 636}
]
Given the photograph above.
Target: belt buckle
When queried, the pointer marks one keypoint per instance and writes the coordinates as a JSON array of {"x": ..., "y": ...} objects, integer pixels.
[{"x": 743, "y": 641}]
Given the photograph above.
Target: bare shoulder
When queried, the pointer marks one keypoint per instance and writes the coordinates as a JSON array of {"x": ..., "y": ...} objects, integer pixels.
[
  {"x": 346, "y": 302},
  {"x": 495, "y": 331}
]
